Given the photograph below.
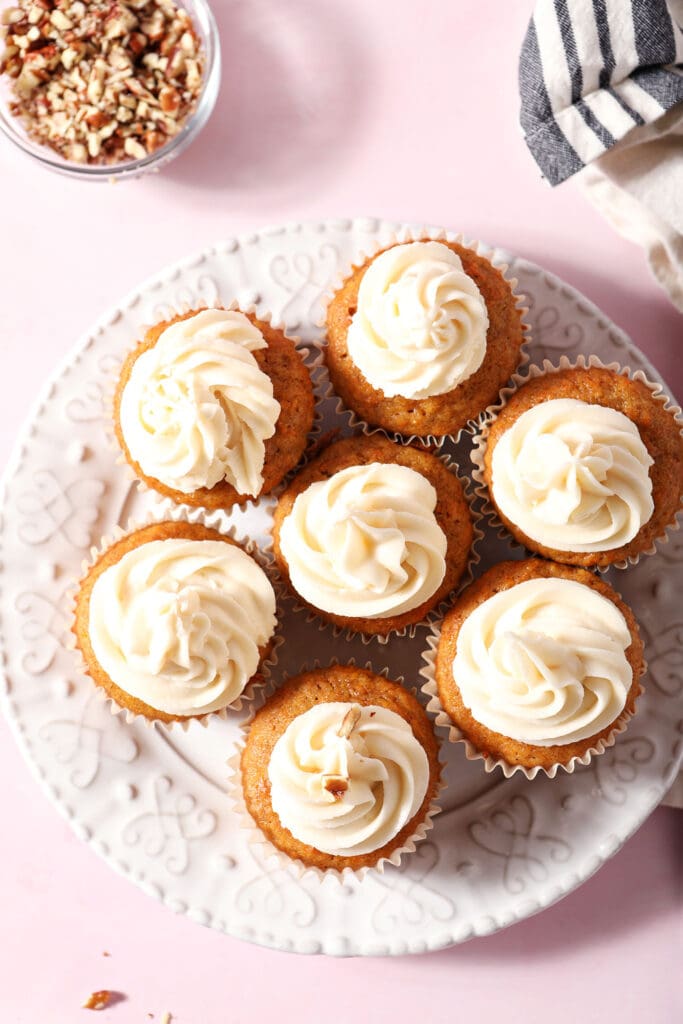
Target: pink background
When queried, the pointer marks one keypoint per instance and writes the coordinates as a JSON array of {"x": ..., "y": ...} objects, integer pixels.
[{"x": 329, "y": 108}]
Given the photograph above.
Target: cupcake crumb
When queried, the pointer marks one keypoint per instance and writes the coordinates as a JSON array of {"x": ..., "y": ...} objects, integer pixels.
[{"x": 97, "y": 1000}]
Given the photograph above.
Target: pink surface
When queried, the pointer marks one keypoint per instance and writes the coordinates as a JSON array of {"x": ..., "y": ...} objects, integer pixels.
[{"x": 329, "y": 108}]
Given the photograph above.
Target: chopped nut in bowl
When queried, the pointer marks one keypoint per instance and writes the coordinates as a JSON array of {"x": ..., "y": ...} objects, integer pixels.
[{"x": 105, "y": 89}]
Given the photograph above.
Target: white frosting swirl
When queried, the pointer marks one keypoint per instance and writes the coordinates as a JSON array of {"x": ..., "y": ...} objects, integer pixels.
[
  {"x": 421, "y": 322},
  {"x": 366, "y": 542},
  {"x": 573, "y": 476},
  {"x": 544, "y": 662},
  {"x": 178, "y": 623},
  {"x": 346, "y": 779},
  {"x": 197, "y": 408}
]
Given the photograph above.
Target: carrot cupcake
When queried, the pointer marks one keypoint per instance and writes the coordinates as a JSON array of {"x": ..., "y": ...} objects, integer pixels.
[
  {"x": 539, "y": 664},
  {"x": 340, "y": 768},
  {"x": 371, "y": 535},
  {"x": 421, "y": 337},
  {"x": 174, "y": 621},
  {"x": 213, "y": 408},
  {"x": 585, "y": 466}
]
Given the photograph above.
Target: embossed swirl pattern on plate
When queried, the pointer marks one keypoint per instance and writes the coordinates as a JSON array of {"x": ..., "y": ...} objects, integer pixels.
[{"x": 154, "y": 805}]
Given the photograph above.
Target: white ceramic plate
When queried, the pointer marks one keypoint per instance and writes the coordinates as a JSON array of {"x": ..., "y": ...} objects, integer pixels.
[{"x": 154, "y": 804}]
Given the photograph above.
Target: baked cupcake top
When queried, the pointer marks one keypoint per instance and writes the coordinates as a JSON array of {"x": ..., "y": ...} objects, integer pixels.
[
  {"x": 544, "y": 662},
  {"x": 420, "y": 326},
  {"x": 365, "y": 543},
  {"x": 372, "y": 526},
  {"x": 573, "y": 476},
  {"x": 180, "y": 624},
  {"x": 538, "y": 663},
  {"x": 422, "y": 336},
  {"x": 340, "y": 768},
  {"x": 346, "y": 779},
  {"x": 584, "y": 464},
  {"x": 196, "y": 408}
]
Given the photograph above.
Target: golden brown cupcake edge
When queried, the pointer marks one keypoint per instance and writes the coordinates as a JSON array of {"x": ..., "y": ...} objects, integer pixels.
[
  {"x": 293, "y": 389},
  {"x": 452, "y": 513},
  {"x": 345, "y": 683},
  {"x": 440, "y": 414},
  {"x": 487, "y": 741}
]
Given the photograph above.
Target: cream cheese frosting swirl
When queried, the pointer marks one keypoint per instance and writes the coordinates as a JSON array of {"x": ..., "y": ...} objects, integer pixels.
[
  {"x": 573, "y": 476},
  {"x": 420, "y": 325},
  {"x": 366, "y": 542},
  {"x": 346, "y": 779},
  {"x": 197, "y": 407},
  {"x": 544, "y": 662},
  {"x": 178, "y": 623}
]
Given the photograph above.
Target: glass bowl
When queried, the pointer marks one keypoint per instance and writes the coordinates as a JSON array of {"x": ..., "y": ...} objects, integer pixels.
[{"x": 12, "y": 128}]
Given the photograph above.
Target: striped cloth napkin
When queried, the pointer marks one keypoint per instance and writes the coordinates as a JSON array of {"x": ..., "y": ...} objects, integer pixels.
[{"x": 601, "y": 85}]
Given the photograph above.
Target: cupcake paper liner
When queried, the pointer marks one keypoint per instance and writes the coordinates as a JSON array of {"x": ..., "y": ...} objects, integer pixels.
[
  {"x": 295, "y": 603},
  {"x": 398, "y": 238},
  {"x": 269, "y": 851},
  {"x": 309, "y": 357},
  {"x": 478, "y": 451},
  {"x": 181, "y": 514},
  {"x": 472, "y": 752}
]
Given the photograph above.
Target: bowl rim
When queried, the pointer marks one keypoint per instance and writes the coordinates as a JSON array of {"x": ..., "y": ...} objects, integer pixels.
[{"x": 42, "y": 154}]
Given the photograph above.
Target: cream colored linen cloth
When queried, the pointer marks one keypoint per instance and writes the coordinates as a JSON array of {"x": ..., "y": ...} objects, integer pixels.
[
  {"x": 601, "y": 99},
  {"x": 638, "y": 186}
]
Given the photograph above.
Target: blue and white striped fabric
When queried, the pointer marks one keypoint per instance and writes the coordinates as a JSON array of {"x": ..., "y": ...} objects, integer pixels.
[{"x": 590, "y": 71}]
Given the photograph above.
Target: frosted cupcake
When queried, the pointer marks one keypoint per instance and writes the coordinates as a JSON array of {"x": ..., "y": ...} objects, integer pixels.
[
  {"x": 174, "y": 621},
  {"x": 371, "y": 535},
  {"x": 213, "y": 408},
  {"x": 538, "y": 664},
  {"x": 340, "y": 768},
  {"x": 584, "y": 466},
  {"x": 421, "y": 337}
]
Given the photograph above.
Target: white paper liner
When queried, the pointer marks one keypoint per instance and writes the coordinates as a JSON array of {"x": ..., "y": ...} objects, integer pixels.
[
  {"x": 478, "y": 451},
  {"x": 315, "y": 618},
  {"x": 268, "y": 849},
  {"x": 181, "y": 514},
  {"x": 472, "y": 752},
  {"x": 397, "y": 238},
  {"x": 308, "y": 356}
]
